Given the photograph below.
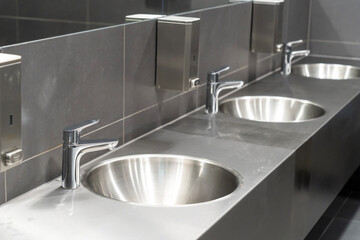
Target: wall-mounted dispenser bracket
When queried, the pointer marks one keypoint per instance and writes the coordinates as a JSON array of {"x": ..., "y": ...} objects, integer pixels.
[
  {"x": 177, "y": 66},
  {"x": 267, "y": 21},
  {"x": 10, "y": 111}
]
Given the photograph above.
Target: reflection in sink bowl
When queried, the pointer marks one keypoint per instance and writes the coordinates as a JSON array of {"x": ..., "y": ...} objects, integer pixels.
[
  {"x": 271, "y": 109},
  {"x": 327, "y": 71},
  {"x": 166, "y": 180}
]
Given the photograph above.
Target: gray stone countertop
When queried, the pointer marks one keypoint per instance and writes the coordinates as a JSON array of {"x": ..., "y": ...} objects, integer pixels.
[{"x": 253, "y": 149}]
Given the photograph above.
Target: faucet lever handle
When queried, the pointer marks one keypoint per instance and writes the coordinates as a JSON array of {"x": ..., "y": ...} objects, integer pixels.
[
  {"x": 213, "y": 76},
  {"x": 71, "y": 133},
  {"x": 221, "y": 70},
  {"x": 297, "y": 42},
  {"x": 287, "y": 45}
]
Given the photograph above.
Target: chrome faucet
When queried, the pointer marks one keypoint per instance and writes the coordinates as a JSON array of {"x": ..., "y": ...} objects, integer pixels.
[
  {"x": 74, "y": 149},
  {"x": 288, "y": 54},
  {"x": 214, "y": 87}
]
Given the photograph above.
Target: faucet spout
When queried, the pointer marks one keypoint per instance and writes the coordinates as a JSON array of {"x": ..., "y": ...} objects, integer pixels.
[
  {"x": 86, "y": 146},
  {"x": 222, "y": 86},
  {"x": 300, "y": 53},
  {"x": 229, "y": 85},
  {"x": 73, "y": 151}
]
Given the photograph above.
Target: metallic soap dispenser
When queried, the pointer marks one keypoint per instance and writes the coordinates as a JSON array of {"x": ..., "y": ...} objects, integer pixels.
[
  {"x": 267, "y": 20},
  {"x": 10, "y": 111},
  {"x": 177, "y": 53}
]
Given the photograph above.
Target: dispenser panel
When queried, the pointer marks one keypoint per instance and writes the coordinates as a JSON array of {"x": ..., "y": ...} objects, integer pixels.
[
  {"x": 10, "y": 111},
  {"x": 267, "y": 23},
  {"x": 177, "y": 53}
]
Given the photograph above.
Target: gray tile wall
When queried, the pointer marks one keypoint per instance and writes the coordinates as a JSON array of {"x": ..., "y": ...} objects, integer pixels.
[
  {"x": 110, "y": 74},
  {"x": 298, "y": 19},
  {"x": 8, "y": 26},
  {"x": 335, "y": 29},
  {"x": 60, "y": 10},
  {"x": 8, "y": 8}
]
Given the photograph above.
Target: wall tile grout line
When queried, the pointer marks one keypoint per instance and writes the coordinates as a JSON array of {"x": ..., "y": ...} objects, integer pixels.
[
  {"x": 297, "y": 60},
  {"x": 309, "y": 25},
  {"x": 17, "y": 21},
  {"x": 123, "y": 132},
  {"x": 88, "y": 13},
  {"x": 197, "y": 96},
  {"x": 228, "y": 5},
  {"x": 332, "y": 41},
  {"x": 247, "y": 66},
  {"x": 287, "y": 23},
  {"x": 5, "y": 186},
  {"x": 39, "y": 154},
  {"x": 62, "y": 36},
  {"x": 103, "y": 127},
  {"x": 199, "y": 60},
  {"x": 155, "y": 129},
  {"x": 124, "y": 84},
  {"x": 156, "y": 104},
  {"x": 124, "y": 70},
  {"x": 335, "y": 57},
  {"x": 234, "y": 71},
  {"x": 52, "y": 20}
]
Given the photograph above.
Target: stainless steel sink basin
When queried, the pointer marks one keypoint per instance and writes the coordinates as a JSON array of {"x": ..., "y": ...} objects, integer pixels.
[
  {"x": 271, "y": 109},
  {"x": 327, "y": 71},
  {"x": 166, "y": 180}
]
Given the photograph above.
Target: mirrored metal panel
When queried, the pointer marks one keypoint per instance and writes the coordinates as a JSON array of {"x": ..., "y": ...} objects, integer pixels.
[{"x": 27, "y": 20}]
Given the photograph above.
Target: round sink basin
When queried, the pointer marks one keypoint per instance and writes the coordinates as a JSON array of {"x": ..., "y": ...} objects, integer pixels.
[
  {"x": 327, "y": 71},
  {"x": 165, "y": 180},
  {"x": 271, "y": 109}
]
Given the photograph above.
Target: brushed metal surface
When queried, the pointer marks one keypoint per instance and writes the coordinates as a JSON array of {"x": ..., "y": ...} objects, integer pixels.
[
  {"x": 267, "y": 24},
  {"x": 10, "y": 111},
  {"x": 327, "y": 71},
  {"x": 271, "y": 109},
  {"x": 6, "y": 59},
  {"x": 167, "y": 180},
  {"x": 177, "y": 64}
]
